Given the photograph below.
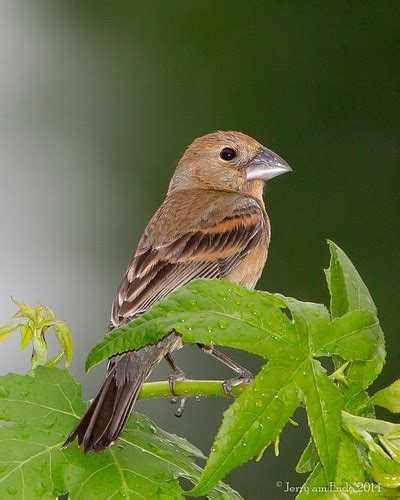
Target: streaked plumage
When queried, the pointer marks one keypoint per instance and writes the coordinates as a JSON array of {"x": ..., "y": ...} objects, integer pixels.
[{"x": 212, "y": 224}]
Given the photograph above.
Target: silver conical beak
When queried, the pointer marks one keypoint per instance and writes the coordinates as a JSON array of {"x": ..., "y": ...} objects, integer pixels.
[{"x": 266, "y": 165}]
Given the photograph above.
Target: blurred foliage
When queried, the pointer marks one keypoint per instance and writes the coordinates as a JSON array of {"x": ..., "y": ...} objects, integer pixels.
[{"x": 39, "y": 321}]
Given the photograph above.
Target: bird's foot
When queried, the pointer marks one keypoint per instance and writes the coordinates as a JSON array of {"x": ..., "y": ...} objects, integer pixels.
[
  {"x": 177, "y": 376},
  {"x": 245, "y": 377}
]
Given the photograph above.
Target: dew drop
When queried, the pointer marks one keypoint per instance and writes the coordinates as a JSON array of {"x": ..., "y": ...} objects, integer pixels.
[
  {"x": 12, "y": 491},
  {"x": 193, "y": 302},
  {"x": 256, "y": 424},
  {"x": 24, "y": 433},
  {"x": 197, "y": 398},
  {"x": 48, "y": 425},
  {"x": 222, "y": 324},
  {"x": 25, "y": 394},
  {"x": 259, "y": 403}
]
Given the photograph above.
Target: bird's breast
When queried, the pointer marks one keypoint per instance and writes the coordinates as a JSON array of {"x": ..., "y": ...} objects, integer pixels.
[{"x": 249, "y": 271}]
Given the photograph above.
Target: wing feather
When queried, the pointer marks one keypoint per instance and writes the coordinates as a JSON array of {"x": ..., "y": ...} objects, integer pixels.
[{"x": 210, "y": 252}]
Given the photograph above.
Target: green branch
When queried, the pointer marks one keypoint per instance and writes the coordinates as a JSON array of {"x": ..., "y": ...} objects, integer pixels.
[{"x": 193, "y": 388}]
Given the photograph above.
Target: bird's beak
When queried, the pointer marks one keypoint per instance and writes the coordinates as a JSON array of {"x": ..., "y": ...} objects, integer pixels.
[{"x": 265, "y": 166}]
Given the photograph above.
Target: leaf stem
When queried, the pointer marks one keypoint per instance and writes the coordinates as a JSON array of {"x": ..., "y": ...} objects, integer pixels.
[{"x": 152, "y": 390}]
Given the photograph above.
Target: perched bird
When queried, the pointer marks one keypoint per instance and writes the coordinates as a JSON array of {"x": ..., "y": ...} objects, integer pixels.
[{"x": 212, "y": 224}]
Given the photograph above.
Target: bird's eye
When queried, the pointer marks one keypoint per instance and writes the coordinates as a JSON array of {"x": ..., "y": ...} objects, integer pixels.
[{"x": 228, "y": 154}]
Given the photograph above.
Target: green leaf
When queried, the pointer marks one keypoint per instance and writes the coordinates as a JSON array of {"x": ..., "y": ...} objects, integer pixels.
[
  {"x": 384, "y": 470},
  {"x": 26, "y": 336},
  {"x": 251, "y": 423},
  {"x": 24, "y": 311},
  {"x": 323, "y": 404},
  {"x": 210, "y": 312},
  {"x": 7, "y": 330},
  {"x": 146, "y": 463},
  {"x": 64, "y": 337},
  {"x": 353, "y": 336},
  {"x": 349, "y": 293},
  {"x": 361, "y": 425},
  {"x": 312, "y": 488},
  {"x": 309, "y": 458},
  {"x": 349, "y": 470},
  {"x": 322, "y": 398},
  {"x": 389, "y": 397}
]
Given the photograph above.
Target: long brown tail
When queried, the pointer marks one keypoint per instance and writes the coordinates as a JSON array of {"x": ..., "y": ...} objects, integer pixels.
[{"x": 106, "y": 417}]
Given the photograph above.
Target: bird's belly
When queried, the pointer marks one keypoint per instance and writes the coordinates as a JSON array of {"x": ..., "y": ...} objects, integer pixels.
[{"x": 248, "y": 272}]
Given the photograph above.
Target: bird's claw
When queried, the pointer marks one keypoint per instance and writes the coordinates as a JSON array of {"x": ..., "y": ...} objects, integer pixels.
[
  {"x": 245, "y": 377},
  {"x": 177, "y": 376}
]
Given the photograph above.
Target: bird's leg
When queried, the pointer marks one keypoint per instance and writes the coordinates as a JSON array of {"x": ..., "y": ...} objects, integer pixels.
[
  {"x": 177, "y": 375},
  {"x": 245, "y": 376}
]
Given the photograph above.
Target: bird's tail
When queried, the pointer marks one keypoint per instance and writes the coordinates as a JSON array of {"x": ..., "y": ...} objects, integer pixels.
[{"x": 106, "y": 417}]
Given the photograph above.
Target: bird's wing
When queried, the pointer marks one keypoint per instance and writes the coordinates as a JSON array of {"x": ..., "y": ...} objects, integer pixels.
[{"x": 209, "y": 251}]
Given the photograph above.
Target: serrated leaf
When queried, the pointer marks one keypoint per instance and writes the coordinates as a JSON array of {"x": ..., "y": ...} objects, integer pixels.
[
  {"x": 322, "y": 398},
  {"x": 251, "y": 423},
  {"x": 64, "y": 337},
  {"x": 349, "y": 293},
  {"x": 323, "y": 404},
  {"x": 309, "y": 458},
  {"x": 7, "y": 330},
  {"x": 389, "y": 397},
  {"x": 147, "y": 463},
  {"x": 352, "y": 336},
  {"x": 347, "y": 289},
  {"x": 210, "y": 312}
]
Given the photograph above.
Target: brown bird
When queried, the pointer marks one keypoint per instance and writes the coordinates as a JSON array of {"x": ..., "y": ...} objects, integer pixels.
[{"x": 212, "y": 224}]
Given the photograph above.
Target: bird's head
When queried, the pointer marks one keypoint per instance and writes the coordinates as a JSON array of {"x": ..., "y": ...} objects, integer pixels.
[{"x": 227, "y": 161}]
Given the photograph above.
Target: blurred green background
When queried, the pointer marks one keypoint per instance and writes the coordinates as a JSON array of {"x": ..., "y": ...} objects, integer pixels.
[{"x": 98, "y": 101}]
